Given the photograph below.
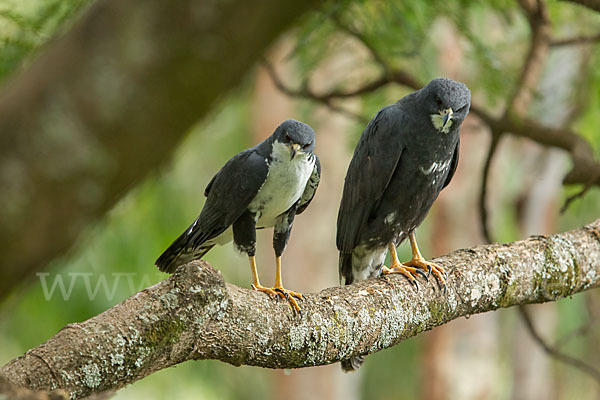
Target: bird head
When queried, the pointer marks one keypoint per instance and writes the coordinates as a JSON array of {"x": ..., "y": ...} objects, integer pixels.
[
  {"x": 447, "y": 102},
  {"x": 297, "y": 136}
]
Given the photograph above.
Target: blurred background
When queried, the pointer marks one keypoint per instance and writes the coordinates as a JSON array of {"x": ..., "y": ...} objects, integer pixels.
[{"x": 339, "y": 48}]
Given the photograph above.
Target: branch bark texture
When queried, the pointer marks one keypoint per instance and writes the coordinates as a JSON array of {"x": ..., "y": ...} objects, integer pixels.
[
  {"x": 106, "y": 103},
  {"x": 195, "y": 314}
]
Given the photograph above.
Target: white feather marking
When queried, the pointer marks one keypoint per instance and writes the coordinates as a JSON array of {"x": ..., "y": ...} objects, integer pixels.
[
  {"x": 189, "y": 232},
  {"x": 435, "y": 167},
  {"x": 366, "y": 262},
  {"x": 390, "y": 218}
]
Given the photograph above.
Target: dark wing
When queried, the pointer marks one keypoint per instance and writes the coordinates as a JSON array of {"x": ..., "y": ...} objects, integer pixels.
[
  {"x": 207, "y": 190},
  {"x": 311, "y": 187},
  {"x": 228, "y": 195},
  {"x": 453, "y": 165},
  {"x": 371, "y": 169}
]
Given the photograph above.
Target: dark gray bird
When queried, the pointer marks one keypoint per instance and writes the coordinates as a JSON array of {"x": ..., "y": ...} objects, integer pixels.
[
  {"x": 264, "y": 186},
  {"x": 406, "y": 155}
]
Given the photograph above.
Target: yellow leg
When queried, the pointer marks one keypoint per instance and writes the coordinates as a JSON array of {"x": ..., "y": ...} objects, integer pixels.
[
  {"x": 396, "y": 267},
  {"x": 281, "y": 291},
  {"x": 277, "y": 289},
  {"x": 278, "y": 272},
  {"x": 417, "y": 261},
  {"x": 256, "y": 283}
]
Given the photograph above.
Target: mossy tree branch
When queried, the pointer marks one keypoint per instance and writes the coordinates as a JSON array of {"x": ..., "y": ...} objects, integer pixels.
[{"x": 196, "y": 315}]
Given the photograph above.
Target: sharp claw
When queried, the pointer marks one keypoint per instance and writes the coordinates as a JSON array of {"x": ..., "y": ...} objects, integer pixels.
[
  {"x": 423, "y": 274},
  {"x": 428, "y": 270},
  {"x": 416, "y": 285},
  {"x": 441, "y": 284},
  {"x": 252, "y": 286},
  {"x": 445, "y": 289}
]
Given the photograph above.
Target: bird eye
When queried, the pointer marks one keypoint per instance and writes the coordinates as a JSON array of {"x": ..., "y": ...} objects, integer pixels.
[
  {"x": 287, "y": 137},
  {"x": 306, "y": 146},
  {"x": 438, "y": 101}
]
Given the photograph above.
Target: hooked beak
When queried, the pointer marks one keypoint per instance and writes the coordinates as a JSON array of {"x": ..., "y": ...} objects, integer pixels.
[
  {"x": 447, "y": 114},
  {"x": 294, "y": 148}
]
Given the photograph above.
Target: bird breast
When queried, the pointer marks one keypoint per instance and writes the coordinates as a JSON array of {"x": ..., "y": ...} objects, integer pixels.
[{"x": 285, "y": 183}]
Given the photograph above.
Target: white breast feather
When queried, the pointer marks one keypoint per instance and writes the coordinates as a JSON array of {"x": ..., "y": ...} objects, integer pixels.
[{"x": 284, "y": 185}]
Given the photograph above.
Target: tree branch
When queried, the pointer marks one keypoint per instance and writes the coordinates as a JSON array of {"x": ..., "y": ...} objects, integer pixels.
[
  {"x": 539, "y": 24},
  {"x": 195, "y": 314},
  {"x": 483, "y": 211},
  {"x": 591, "y": 4},
  {"x": 575, "y": 40},
  {"x": 556, "y": 354},
  {"x": 307, "y": 93}
]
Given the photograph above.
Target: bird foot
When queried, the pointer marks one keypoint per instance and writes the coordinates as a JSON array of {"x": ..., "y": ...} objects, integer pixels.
[
  {"x": 407, "y": 271},
  {"x": 421, "y": 265},
  {"x": 284, "y": 294}
]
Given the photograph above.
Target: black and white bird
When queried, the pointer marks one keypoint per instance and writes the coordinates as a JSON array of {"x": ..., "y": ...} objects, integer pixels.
[
  {"x": 264, "y": 186},
  {"x": 406, "y": 155}
]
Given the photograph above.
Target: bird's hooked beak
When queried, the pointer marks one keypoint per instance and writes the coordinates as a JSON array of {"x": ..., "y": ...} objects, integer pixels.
[
  {"x": 294, "y": 148},
  {"x": 447, "y": 118}
]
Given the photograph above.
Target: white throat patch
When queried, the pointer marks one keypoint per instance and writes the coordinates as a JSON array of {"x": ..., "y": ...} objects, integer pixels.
[{"x": 438, "y": 123}]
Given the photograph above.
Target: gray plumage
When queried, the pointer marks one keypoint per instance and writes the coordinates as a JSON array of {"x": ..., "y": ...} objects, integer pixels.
[
  {"x": 406, "y": 155},
  {"x": 262, "y": 186}
]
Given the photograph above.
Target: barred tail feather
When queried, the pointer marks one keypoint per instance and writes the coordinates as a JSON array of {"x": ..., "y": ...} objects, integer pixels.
[
  {"x": 352, "y": 364},
  {"x": 180, "y": 252},
  {"x": 345, "y": 265}
]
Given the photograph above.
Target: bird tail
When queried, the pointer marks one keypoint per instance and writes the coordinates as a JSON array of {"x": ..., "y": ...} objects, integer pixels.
[
  {"x": 180, "y": 252},
  {"x": 352, "y": 364},
  {"x": 345, "y": 266}
]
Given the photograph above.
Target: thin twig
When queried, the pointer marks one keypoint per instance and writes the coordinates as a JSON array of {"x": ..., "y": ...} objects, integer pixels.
[
  {"x": 592, "y": 182},
  {"x": 532, "y": 68},
  {"x": 582, "y": 330},
  {"x": 575, "y": 40},
  {"x": 307, "y": 93},
  {"x": 483, "y": 214},
  {"x": 556, "y": 354}
]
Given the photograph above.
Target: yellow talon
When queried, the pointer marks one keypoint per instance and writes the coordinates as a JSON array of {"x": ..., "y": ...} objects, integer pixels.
[
  {"x": 277, "y": 289},
  {"x": 416, "y": 265}
]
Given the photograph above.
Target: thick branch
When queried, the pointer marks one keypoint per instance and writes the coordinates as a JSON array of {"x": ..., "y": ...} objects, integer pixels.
[
  {"x": 194, "y": 314},
  {"x": 107, "y": 102}
]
